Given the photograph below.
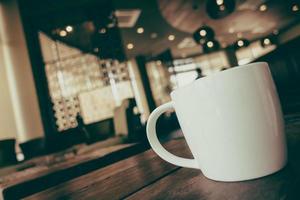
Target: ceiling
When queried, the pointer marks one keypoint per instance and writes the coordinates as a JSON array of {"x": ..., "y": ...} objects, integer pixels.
[
  {"x": 161, "y": 17},
  {"x": 183, "y": 17}
]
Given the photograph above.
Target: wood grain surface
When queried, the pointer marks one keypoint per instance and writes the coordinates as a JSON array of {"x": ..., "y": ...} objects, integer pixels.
[
  {"x": 47, "y": 173},
  {"x": 191, "y": 184},
  {"x": 118, "y": 180},
  {"x": 146, "y": 176}
]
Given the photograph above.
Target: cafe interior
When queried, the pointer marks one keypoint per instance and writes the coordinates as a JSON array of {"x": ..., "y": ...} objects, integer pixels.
[{"x": 79, "y": 79}]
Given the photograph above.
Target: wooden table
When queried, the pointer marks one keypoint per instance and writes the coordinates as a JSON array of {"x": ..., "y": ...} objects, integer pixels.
[
  {"x": 46, "y": 171},
  {"x": 146, "y": 176}
]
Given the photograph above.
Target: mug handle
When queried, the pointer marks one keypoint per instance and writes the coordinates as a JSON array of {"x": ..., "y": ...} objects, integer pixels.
[{"x": 156, "y": 145}]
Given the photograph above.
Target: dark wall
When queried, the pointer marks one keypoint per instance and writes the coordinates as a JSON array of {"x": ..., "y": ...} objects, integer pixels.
[{"x": 285, "y": 67}]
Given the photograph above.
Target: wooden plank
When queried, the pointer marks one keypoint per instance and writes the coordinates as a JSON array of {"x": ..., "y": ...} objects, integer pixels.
[
  {"x": 84, "y": 151},
  {"x": 146, "y": 176},
  {"x": 48, "y": 164},
  {"x": 191, "y": 184},
  {"x": 38, "y": 178},
  {"x": 118, "y": 180}
]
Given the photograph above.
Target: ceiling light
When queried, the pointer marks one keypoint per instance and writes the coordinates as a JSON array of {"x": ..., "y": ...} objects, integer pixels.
[
  {"x": 295, "y": 8},
  {"x": 171, "y": 37},
  {"x": 218, "y": 9},
  {"x": 240, "y": 43},
  {"x": 140, "y": 30},
  {"x": 102, "y": 30},
  {"x": 130, "y": 46},
  {"x": 69, "y": 28},
  {"x": 210, "y": 44},
  {"x": 153, "y": 35},
  {"x": 267, "y": 41},
  {"x": 219, "y": 2},
  {"x": 63, "y": 33},
  {"x": 203, "y": 33},
  {"x": 263, "y": 7}
]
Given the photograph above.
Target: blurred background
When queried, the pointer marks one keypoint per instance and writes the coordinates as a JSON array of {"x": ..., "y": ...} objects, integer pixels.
[{"x": 79, "y": 78}]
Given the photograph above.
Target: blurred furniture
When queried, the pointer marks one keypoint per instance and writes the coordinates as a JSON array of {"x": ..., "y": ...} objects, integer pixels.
[
  {"x": 127, "y": 121},
  {"x": 7, "y": 152},
  {"x": 82, "y": 129},
  {"x": 136, "y": 129},
  {"x": 64, "y": 140},
  {"x": 120, "y": 120},
  {"x": 33, "y": 148},
  {"x": 146, "y": 176},
  {"x": 100, "y": 130}
]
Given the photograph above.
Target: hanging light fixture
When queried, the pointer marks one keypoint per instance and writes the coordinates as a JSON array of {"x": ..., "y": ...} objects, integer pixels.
[
  {"x": 69, "y": 29},
  {"x": 203, "y": 34},
  {"x": 240, "y": 43},
  {"x": 63, "y": 33},
  {"x": 268, "y": 41},
  {"x": 210, "y": 46},
  {"x": 263, "y": 8},
  {"x": 130, "y": 46},
  {"x": 171, "y": 37},
  {"x": 295, "y": 7},
  {"x": 140, "y": 30},
  {"x": 217, "y": 9}
]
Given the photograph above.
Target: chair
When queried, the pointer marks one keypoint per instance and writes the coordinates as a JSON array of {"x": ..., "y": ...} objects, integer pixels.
[{"x": 7, "y": 152}]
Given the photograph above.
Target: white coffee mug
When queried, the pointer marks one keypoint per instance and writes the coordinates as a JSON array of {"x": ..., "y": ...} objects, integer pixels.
[{"x": 232, "y": 122}]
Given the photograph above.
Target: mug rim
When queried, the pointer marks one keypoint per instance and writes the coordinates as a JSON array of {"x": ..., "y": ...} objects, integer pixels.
[{"x": 219, "y": 73}]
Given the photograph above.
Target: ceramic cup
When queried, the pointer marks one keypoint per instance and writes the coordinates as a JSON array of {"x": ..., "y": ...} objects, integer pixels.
[{"x": 232, "y": 122}]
